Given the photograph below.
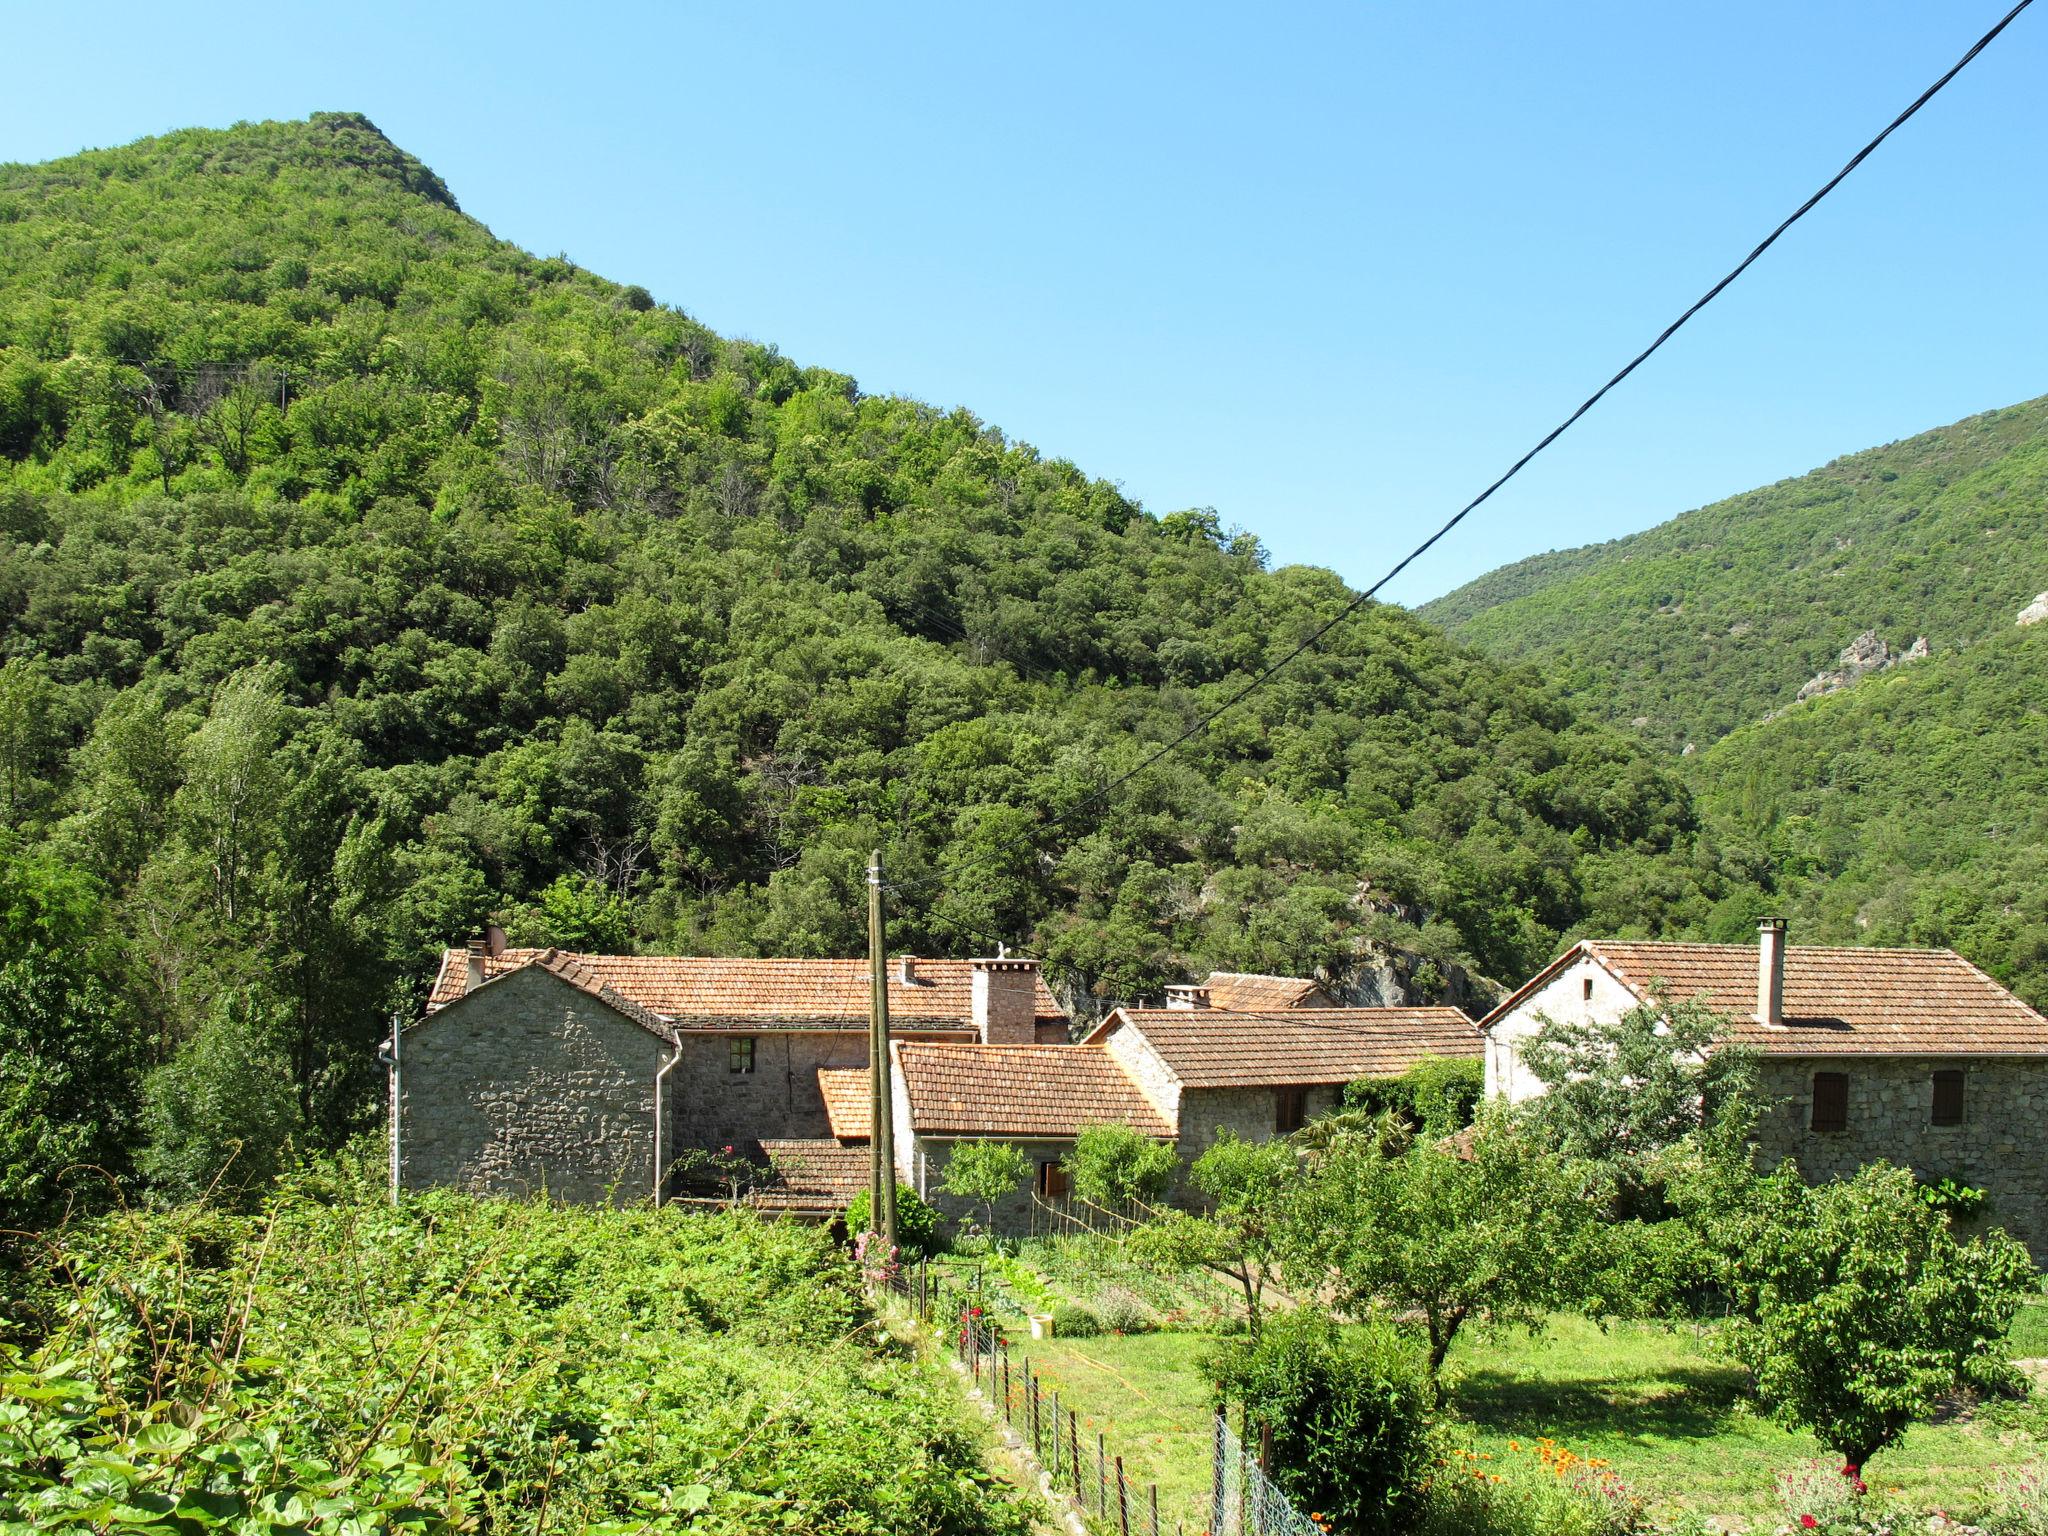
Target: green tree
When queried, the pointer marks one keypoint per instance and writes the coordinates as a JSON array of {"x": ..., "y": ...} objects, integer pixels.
[
  {"x": 218, "y": 1117},
  {"x": 232, "y": 784},
  {"x": 1620, "y": 1094},
  {"x": 1856, "y": 1308},
  {"x": 576, "y": 913},
  {"x": 1498, "y": 1229},
  {"x": 1117, "y": 1165},
  {"x": 68, "y": 1057},
  {"x": 985, "y": 1172},
  {"x": 1439, "y": 1094},
  {"x": 30, "y": 732},
  {"x": 1248, "y": 1188}
]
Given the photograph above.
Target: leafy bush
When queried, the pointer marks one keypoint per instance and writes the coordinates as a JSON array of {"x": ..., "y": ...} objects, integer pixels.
[
  {"x": 985, "y": 1172},
  {"x": 1346, "y": 1412},
  {"x": 1073, "y": 1321},
  {"x": 1541, "y": 1489},
  {"x": 917, "y": 1224},
  {"x": 466, "y": 1364},
  {"x": 1114, "y": 1165},
  {"x": 219, "y": 1116},
  {"x": 1118, "y": 1310},
  {"x": 1439, "y": 1094},
  {"x": 2019, "y": 1503}
]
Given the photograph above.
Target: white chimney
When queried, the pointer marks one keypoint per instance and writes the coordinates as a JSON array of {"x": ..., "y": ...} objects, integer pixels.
[
  {"x": 474, "y": 976},
  {"x": 1770, "y": 971},
  {"x": 1006, "y": 1001},
  {"x": 906, "y": 970},
  {"x": 1185, "y": 997}
]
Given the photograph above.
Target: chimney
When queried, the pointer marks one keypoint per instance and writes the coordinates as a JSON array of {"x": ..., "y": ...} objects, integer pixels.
[
  {"x": 1770, "y": 971},
  {"x": 906, "y": 970},
  {"x": 494, "y": 940},
  {"x": 1187, "y": 997},
  {"x": 1006, "y": 1001},
  {"x": 474, "y": 977}
]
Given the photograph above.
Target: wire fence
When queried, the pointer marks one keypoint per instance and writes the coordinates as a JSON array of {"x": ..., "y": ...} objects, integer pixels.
[
  {"x": 1078, "y": 1461},
  {"x": 1243, "y": 1500}
]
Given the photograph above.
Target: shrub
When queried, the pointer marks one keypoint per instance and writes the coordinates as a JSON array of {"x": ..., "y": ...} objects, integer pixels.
[
  {"x": 917, "y": 1224},
  {"x": 1439, "y": 1094},
  {"x": 1114, "y": 1165},
  {"x": 1074, "y": 1322},
  {"x": 1119, "y": 1310},
  {"x": 219, "y": 1114},
  {"x": 1346, "y": 1412},
  {"x": 1540, "y": 1489},
  {"x": 985, "y": 1172},
  {"x": 1830, "y": 1501},
  {"x": 2019, "y": 1504}
]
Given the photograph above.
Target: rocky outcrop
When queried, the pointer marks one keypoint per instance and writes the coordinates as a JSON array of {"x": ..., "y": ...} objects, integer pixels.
[
  {"x": 2035, "y": 611},
  {"x": 1866, "y": 654},
  {"x": 1382, "y": 975}
]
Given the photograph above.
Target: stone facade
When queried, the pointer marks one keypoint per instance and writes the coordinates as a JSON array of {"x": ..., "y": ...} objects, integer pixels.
[
  {"x": 529, "y": 1086},
  {"x": 711, "y": 1105},
  {"x": 924, "y": 1170},
  {"x": 1998, "y": 1147}
]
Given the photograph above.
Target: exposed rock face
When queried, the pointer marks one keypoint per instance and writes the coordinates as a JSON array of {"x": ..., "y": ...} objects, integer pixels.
[
  {"x": 1382, "y": 976},
  {"x": 2035, "y": 611},
  {"x": 1866, "y": 654}
]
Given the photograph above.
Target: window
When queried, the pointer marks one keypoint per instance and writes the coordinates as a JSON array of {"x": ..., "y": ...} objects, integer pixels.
[
  {"x": 1287, "y": 1109},
  {"x": 1948, "y": 1098},
  {"x": 740, "y": 1054},
  {"x": 1052, "y": 1181},
  {"x": 1830, "y": 1101},
  {"x": 1586, "y": 990}
]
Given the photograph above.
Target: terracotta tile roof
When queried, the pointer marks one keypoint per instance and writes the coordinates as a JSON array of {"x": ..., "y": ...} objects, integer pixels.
[
  {"x": 847, "y": 1105},
  {"x": 1244, "y": 992},
  {"x": 1218, "y": 1048},
  {"x": 811, "y": 1175},
  {"x": 705, "y": 992},
  {"x": 1020, "y": 1090},
  {"x": 571, "y": 969},
  {"x": 1843, "y": 1001}
]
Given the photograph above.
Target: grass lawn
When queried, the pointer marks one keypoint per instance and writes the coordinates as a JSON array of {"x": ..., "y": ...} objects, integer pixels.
[
  {"x": 1671, "y": 1417},
  {"x": 1653, "y": 1400}
]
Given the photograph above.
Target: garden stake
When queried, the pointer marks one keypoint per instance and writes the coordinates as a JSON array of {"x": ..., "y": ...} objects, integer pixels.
[{"x": 1123, "y": 1502}]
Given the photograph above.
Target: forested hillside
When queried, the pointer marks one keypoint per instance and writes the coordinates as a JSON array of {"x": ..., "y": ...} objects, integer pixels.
[
  {"x": 1716, "y": 618},
  {"x": 1909, "y": 809},
  {"x": 364, "y": 577}
]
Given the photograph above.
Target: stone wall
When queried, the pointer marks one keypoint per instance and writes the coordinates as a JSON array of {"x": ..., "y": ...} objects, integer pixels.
[
  {"x": 1248, "y": 1113},
  {"x": 1998, "y": 1147},
  {"x": 710, "y": 1105},
  {"x": 927, "y": 1173},
  {"x": 527, "y": 1086}
]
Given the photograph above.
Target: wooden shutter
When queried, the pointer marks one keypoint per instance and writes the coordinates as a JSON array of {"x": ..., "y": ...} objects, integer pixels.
[
  {"x": 1830, "y": 1101},
  {"x": 1052, "y": 1181},
  {"x": 1948, "y": 1097}
]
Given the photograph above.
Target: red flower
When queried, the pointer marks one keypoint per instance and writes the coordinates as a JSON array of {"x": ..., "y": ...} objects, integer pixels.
[{"x": 1807, "y": 1522}]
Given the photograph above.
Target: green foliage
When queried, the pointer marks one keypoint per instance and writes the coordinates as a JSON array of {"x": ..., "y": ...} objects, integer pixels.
[
  {"x": 917, "y": 1224},
  {"x": 985, "y": 1172},
  {"x": 1952, "y": 1197},
  {"x": 218, "y": 1117},
  {"x": 459, "y": 1365},
  {"x": 1857, "y": 1309},
  {"x": 363, "y": 577},
  {"x": 1114, "y": 1165},
  {"x": 68, "y": 1059},
  {"x": 1439, "y": 1094},
  {"x": 1499, "y": 1229},
  {"x": 1248, "y": 1189},
  {"x": 1620, "y": 1094},
  {"x": 1071, "y": 1320},
  {"x": 1347, "y": 1415}
]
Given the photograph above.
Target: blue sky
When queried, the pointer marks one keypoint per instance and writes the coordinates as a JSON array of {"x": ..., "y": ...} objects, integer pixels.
[{"x": 1325, "y": 268}]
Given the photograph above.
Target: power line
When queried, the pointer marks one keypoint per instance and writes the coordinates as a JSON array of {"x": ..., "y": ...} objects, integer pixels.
[{"x": 1362, "y": 598}]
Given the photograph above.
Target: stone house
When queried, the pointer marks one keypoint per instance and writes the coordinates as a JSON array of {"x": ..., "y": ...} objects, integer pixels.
[
  {"x": 1912, "y": 1056},
  {"x": 1181, "y": 1073},
  {"x": 587, "y": 1075}
]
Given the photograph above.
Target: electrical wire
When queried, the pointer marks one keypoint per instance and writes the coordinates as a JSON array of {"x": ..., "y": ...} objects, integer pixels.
[{"x": 1361, "y": 599}]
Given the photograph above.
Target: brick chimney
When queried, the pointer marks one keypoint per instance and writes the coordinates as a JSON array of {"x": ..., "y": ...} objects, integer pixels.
[
  {"x": 1006, "y": 1001},
  {"x": 1770, "y": 971},
  {"x": 1183, "y": 996},
  {"x": 473, "y": 976}
]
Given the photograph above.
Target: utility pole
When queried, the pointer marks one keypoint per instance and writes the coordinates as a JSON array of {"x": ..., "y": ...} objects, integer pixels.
[{"x": 882, "y": 1134}]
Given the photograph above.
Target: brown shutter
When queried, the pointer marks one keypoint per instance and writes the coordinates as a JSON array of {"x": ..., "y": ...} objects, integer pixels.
[
  {"x": 1287, "y": 1109},
  {"x": 1948, "y": 1097},
  {"x": 1052, "y": 1181},
  {"x": 1830, "y": 1101}
]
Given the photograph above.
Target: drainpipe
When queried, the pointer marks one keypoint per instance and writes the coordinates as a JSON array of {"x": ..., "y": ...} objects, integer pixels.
[
  {"x": 659, "y": 1077},
  {"x": 388, "y": 1055}
]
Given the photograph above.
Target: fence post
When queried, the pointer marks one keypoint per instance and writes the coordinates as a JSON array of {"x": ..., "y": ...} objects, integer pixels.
[
  {"x": 1155, "y": 1509},
  {"x": 1074, "y": 1448},
  {"x": 1216, "y": 1488},
  {"x": 1055, "y": 1434},
  {"x": 1006, "y": 1381},
  {"x": 1101, "y": 1493},
  {"x": 1123, "y": 1501}
]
